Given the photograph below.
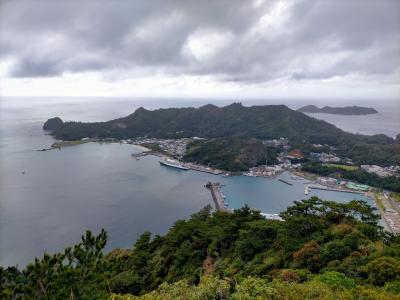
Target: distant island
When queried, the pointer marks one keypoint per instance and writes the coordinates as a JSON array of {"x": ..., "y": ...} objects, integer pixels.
[{"x": 347, "y": 110}]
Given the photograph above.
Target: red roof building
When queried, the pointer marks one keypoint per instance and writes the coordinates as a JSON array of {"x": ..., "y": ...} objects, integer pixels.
[{"x": 296, "y": 153}]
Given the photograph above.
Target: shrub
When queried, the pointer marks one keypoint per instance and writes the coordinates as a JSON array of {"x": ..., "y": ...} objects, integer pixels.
[
  {"x": 393, "y": 286},
  {"x": 383, "y": 269},
  {"x": 337, "y": 280}
]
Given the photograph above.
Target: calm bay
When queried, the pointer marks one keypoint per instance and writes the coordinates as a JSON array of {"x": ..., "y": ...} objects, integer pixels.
[{"x": 48, "y": 199}]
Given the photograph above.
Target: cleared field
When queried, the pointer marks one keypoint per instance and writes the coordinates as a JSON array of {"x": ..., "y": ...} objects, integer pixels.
[{"x": 344, "y": 167}]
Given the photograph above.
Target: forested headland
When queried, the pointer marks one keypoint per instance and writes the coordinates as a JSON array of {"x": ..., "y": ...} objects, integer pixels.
[{"x": 238, "y": 122}]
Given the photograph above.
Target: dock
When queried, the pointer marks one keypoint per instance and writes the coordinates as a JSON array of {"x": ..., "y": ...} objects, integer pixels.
[{"x": 215, "y": 188}]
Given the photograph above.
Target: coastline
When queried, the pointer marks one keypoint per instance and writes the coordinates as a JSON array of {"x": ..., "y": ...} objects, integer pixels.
[
  {"x": 143, "y": 148},
  {"x": 390, "y": 219}
]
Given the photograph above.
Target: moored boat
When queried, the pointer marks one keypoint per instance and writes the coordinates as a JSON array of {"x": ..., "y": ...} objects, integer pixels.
[{"x": 173, "y": 163}]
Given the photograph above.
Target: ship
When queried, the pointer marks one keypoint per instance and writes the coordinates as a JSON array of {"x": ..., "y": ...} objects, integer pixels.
[{"x": 173, "y": 163}]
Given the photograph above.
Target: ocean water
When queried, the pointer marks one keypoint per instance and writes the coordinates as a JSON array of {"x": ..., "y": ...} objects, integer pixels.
[{"x": 92, "y": 186}]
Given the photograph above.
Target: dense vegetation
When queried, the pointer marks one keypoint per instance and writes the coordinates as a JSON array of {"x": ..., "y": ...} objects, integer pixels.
[
  {"x": 237, "y": 121},
  {"x": 52, "y": 124},
  {"x": 391, "y": 183},
  {"x": 323, "y": 250},
  {"x": 233, "y": 154}
]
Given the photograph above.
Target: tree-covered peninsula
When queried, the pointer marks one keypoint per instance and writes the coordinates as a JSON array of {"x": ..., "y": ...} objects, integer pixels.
[
  {"x": 322, "y": 250},
  {"x": 235, "y": 121}
]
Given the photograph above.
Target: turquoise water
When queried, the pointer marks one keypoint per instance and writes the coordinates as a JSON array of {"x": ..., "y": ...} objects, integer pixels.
[{"x": 94, "y": 186}]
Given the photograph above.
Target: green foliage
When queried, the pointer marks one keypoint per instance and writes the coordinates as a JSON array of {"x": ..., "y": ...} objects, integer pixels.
[
  {"x": 80, "y": 272},
  {"x": 383, "y": 269},
  {"x": 337, "y": 280},
  {"x": 322, "y": 250},
  {"x": 232, "y": 154},
  {"x": 393, "y": 286},
  {"x": 208, "y": 288},
  {"x": 252, "y": 288}
]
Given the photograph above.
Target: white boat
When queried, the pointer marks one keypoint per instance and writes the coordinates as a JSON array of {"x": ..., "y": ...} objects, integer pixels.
[
  {"x": 250, "y": 174},
  {"x": 173, "y": 163}
]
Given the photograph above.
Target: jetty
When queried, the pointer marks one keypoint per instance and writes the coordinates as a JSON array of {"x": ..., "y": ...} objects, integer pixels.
[
  {"x": 48, "y": 149},
  {"x": 215, "y": 189},
  {"x": 284, "y": 181},
  {"x": 204, "y": 169},
  {"x": 145, "y": 153}
]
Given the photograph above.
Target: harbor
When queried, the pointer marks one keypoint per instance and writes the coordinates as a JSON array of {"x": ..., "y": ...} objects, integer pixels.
[
  {"x": 176, "y": 194},
  {"x": 221, "y": 205}
]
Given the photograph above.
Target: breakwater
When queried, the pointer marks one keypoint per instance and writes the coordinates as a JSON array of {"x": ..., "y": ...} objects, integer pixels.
[
  {"x": 215, "y": 188},
  {"x": 284, "y": 181}
]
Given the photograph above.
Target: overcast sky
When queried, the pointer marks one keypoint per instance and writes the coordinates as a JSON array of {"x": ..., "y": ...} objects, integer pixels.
[{"x": 219, "y": 48}]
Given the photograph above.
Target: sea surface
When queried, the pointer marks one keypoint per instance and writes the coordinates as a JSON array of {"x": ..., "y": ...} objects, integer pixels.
[{"x": 48, "y": 199}]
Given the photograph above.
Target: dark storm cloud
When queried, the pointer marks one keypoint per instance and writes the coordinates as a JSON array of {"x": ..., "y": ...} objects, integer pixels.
[{"x": 247, "y": 41}]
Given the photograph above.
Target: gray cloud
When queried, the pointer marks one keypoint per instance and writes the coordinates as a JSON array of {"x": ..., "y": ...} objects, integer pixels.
[{"x": 231, "y": 40}]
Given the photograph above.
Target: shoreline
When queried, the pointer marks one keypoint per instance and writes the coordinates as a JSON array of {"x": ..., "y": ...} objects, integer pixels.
[
  {"x": 143, "y": 148},
  {"x": 391, "y": 221}
]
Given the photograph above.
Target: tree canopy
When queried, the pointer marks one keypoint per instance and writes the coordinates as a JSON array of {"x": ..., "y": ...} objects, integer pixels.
[{"x": 321, "y": 249}]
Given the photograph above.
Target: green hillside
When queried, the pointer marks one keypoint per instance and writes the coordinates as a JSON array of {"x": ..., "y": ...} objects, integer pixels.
[
  {"x": 208, "y": 121},
  {"x": 322, "y": 250},
  {"x": 237, "y": 121}
]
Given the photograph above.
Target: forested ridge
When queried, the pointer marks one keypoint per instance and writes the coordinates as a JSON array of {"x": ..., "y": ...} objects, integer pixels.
[
  {"x": 236, "y": 121},
  {"x": 322, "y": 250}
]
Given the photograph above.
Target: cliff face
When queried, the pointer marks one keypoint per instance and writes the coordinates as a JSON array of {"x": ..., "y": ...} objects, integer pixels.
[{"x": 52, "y": 124}]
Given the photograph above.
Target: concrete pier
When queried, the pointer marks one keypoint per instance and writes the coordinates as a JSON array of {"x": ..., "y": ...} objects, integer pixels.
[
  {"x": 326, "y": 188},
  {"x": 216, "y": 194}
]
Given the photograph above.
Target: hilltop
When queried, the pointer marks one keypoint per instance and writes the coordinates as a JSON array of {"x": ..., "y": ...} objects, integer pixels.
[
  {"x": 347, "y": 110},
  {"x": 209, "y": 121}
]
